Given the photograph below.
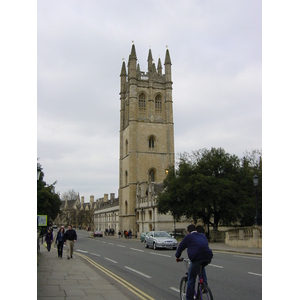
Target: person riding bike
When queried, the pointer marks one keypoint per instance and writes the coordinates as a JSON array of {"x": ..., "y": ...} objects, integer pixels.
[{"x": 198, "y": 252}]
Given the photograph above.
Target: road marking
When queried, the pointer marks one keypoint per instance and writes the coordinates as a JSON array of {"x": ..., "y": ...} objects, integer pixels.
[
  {"x": 259, "y": 258},
  {"x": 254, "y": 274},
  {"x": 115, "y": 262},
  {"x": 82, "y": 251},
  {"x": 110, "y": 244},
  {"x": 137, "y": 250},
  {"x": 216, "y": 266},
  {"x": 104, "y": 242},
  {"x": 95, "y": 254},
  {"x": 140, "y": 294},
  {"x": 175, "y": 289},
  {"x": 121, "y": 246},
  {"x": 140, "y": 273},
  {"x": 160, "y": 254}
]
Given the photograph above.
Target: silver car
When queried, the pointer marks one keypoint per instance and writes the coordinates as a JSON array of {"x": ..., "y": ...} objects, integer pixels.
[{"x": 160, "y": 239}]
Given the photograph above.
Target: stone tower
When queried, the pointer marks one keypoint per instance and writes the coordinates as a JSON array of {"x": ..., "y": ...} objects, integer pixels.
[{"x": 146, "y": 131}]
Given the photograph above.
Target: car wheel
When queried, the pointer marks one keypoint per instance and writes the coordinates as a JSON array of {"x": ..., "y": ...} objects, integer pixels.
[
  {"x": 146, "y": 246},
  {"x": 154, "y": 246}
]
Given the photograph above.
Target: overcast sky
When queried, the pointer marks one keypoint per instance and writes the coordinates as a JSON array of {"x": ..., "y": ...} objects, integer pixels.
[{"x": 216, "y": 54}]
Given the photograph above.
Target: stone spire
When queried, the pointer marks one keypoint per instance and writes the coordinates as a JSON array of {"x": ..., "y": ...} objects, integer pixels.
[{"x": 150, "y": 59}]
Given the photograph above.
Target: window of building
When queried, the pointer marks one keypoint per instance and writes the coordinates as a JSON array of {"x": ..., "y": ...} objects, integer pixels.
[
  {"x": 126, "y": 177},
  {"x": 151, "y": 142},
  {"x": 158, "y": 106},
  {"x": 150, "y": 214},
  {"x": 142, "y": 104},
  {"x": 126, "y": 147},
  {"x": 152, "y": 175}
]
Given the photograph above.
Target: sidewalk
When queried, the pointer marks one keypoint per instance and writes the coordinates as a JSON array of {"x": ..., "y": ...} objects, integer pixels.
[{"x": 62, "y": 279}]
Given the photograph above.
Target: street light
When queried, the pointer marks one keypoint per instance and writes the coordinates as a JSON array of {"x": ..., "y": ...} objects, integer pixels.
[
  {"x": 38, "y": 171},
  {"x": 255, "y": 182}
]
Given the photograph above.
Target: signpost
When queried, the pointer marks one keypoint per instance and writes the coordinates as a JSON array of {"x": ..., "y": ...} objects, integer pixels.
[{"x": 42, "y": 220}]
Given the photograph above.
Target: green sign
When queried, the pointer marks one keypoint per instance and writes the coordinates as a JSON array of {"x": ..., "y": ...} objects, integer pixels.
[{"x": 42, "y": 220}]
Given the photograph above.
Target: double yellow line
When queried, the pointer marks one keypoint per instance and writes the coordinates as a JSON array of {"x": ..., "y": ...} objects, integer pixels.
[{"x": 123, "y": 282}]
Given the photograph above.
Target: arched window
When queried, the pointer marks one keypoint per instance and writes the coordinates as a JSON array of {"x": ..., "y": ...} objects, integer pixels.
[
  {"x": 142, "y": 105},
  {"x": 126, "y": 207},
  {"x": 126, "y": 177},
  {"x": 152, "y": 175},
  {"x": 126, "y": 147},
  {"x": 151, "y": 142},
  {"x": 158, "y": 106}
]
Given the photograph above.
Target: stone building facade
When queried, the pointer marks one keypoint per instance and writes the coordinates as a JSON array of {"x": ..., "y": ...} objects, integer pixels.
[{"x": 146, "y": 135}]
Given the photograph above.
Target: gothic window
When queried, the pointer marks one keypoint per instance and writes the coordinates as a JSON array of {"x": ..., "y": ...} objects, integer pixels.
[
  {"x": 152, "y": 175},
  {"x": 142, "y": 105},
  {"x": 126, "y": 208},
  {"x": 150, "y": 215},
  {"x": 126, "y": 146},
  {"x": 151, "y": 142},
  {"x": 158, "y": 106},
  {"x": 126, "y": 177}
]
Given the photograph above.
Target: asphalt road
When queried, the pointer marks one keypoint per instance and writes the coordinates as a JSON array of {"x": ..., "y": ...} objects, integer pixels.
[{"x": 230, "y": 275}]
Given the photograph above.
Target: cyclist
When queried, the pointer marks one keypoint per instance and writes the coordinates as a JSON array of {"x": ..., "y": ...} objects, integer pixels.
[{"x": 198, "y": 253}]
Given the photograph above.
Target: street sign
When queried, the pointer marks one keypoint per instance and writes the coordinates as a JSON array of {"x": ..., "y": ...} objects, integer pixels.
[{"x": 42, "y": 220}]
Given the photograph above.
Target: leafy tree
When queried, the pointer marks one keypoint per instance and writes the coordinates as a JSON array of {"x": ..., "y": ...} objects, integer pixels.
[
  {"x": 48, "y": 202},
  {"x": 85, "y": 217},
  {"x": 211, "y": 185}
]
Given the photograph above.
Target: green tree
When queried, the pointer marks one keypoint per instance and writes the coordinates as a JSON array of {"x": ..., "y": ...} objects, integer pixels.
[
  {"x": 211, "y": 185},
  {"x": 48, "y": 202}
]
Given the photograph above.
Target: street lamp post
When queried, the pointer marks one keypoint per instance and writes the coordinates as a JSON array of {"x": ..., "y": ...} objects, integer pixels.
[
  {"x": 38, "y": 170},
  {"x": 255, "y": 182}
]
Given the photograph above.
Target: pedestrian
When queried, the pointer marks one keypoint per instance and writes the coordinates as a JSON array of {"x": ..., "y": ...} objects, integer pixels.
[
  {"x": 69, "y": 239},
  {"x": 119, "y": 234},
  {"x": 198, "y": 252},
  {"x": 49, "y": 239},
  {"x": 130, "y": 233},
  {"x": 60, "y": 241}
]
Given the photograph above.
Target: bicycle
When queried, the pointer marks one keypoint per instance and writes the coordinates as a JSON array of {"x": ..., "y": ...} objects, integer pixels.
[{"x": 202, "y": 292}]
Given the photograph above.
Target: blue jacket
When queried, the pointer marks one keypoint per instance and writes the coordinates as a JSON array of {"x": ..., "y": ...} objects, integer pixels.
[
  {"x": 197, "y": 247},
  {"x": 60, "y": 237}
]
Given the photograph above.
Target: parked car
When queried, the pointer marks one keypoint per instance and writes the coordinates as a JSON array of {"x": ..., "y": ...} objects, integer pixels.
[
  {"x": 98, "y": 233},
  {"x": 143, "y": 234},
  {"x": 160, "y": 239}
]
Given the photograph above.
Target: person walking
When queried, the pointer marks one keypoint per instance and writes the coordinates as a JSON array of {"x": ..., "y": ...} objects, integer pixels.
[
  {"x": 49, "y": 239},
  {"x": 119, "y": 234},
  {"x": 60, "y": 241},
  {"x": 69, "y": 239},
  {"x": 198, "y": 252}
]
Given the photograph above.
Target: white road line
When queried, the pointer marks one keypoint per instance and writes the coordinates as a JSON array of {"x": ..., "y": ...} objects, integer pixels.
[
  {"x": 121, "y": 246},
  {"x": 160, "y": 254},
  {"x": 110, "y": 244},
  {"x": 175, "y": 289},
  {"x": 254, "y": 274},
  {"x": 215, "y": 266},
  {"x": 137, "y": 250},
  {"x": 115, "y": 262},
  {"x": 133, "y": 270},
  {"x": 95, "y": 254},
  {"x": 259, "y": 258},
  {"x": 104, "y": 242},
  {"x": 82, "y": 251}
]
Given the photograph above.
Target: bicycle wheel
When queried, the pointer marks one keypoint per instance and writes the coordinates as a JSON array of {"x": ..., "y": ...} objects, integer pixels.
[
  {"x": 183, "y": 286},
  {"x": 206, "y": 293}
]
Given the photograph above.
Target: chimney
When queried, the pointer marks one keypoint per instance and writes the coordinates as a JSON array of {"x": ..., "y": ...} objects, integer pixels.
[
  {"x": 92, "y": 199},
  {"x": 82, "y": 200},
  {"x": 112, "y": 196}
]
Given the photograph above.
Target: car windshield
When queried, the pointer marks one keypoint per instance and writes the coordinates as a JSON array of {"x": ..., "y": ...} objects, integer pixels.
[{"x": 161, "y": 234}]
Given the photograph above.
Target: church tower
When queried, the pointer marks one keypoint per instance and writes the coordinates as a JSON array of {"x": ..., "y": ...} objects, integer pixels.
[{"x": 146, "y": 131}]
